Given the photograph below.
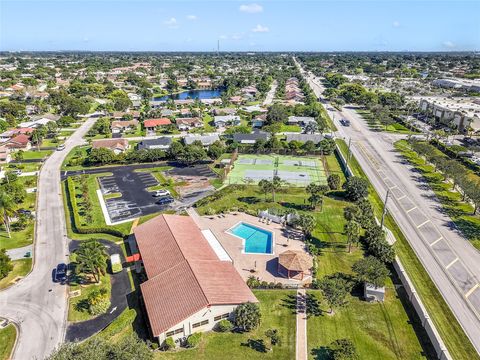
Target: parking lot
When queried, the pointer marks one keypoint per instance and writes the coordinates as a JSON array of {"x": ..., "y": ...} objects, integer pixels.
[{"x": 135, "y": 199}]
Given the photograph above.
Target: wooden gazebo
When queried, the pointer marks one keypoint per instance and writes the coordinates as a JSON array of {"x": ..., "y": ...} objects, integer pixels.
[{"x": 296, "y": 263}]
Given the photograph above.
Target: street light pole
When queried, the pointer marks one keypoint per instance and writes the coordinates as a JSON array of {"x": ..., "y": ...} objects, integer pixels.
[
  {"x": 349, "y": 151},
  {"x": 385, "y": 208}
]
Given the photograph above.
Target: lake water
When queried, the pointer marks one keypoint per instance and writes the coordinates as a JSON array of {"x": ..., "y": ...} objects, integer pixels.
[{"x": 193, "y": 94}]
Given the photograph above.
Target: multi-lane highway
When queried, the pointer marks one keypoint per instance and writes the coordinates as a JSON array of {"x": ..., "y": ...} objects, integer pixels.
[
  {"x": 36, "y": 304},
  {"x": 451, "y": 261}
]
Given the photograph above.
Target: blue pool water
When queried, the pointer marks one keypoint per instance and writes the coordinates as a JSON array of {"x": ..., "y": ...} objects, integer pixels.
[{"x": 257, "y": 240}]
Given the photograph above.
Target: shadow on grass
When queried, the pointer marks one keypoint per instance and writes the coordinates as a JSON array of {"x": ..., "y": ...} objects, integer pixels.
[
  {"x": 256, "y": 344},
  {"x": 322, "y": 353}
]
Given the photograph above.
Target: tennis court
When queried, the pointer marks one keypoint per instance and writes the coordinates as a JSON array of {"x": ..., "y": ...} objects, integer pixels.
[{"x": 295, "y": 170}]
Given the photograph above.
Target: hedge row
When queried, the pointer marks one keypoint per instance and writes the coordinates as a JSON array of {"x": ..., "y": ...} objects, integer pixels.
[{"x": 76, "y": 218}]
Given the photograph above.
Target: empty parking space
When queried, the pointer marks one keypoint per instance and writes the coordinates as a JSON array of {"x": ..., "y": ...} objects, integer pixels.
[
  {"x": 443, "y": 252},
  {"x": 461, "y": 277},
  {"x": 406, "y": 203},
  {"x": 135, "y": 200},
  {"x": 397, "y": 193},
  {"x": 389, "y": 183}
]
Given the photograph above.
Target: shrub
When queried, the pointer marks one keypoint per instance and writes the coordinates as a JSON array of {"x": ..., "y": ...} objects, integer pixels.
[
  {"x": 169, "y": 343},
  {"x": 224, "y": 326},
  {"x": 247, "y": 316},
  {"x": 356, "y": 188},
  {"x": 194, "y": 339},
  {"x": 333, "y": 181},
  {"x": 98, "y": 302}
]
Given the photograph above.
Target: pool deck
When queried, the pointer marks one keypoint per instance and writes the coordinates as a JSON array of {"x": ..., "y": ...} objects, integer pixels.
[{"x": 265, "y": 264}]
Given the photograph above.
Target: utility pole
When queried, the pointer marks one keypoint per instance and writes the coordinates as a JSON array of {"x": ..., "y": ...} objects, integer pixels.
[
  {"x": 349, "y": 151},
  {"x": 385, "y": 208}
]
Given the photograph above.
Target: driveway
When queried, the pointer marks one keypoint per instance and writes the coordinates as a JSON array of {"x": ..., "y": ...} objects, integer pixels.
[
  {"x": 450, "y": 260},
  {"x": 120, "y": 289},
  {"x": 35, "y": 304}
]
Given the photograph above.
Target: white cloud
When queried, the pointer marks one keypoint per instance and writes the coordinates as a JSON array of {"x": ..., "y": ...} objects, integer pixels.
[
  {"x": 396, "y": 24},
  {"x": 251, "y": 8},
  {"x": 236, "y": 37},
  {"x": 223, "y": 37},
  {"x": 192, "y": 17},
  {"x": 171, "y": 23},
  {"x": 260, "y": 29},
  {"x": 449, "y": 44},
  {"x": 86, "y": 39}
]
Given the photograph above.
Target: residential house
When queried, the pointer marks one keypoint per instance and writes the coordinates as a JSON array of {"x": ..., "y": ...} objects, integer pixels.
[
  {"x": 301, "y": 120},
  {"x": 166, "y": 112},
  {"x": 224, "y": 111},
  {"x": 19, "y": 142},
  {"x": 162, "y": 143},
  {"x": 116, "y": 145},
  {"x": 135, "y": 99},
  {"x": 236, "y": 100},
  {"x": 5, "y": 156},
  {"x": 206, "y": 140},
  {"x": 7, "y": 135},
  {"x": 189, "y": 123},
  {"x": 188, "y": 288},
  {"x": 315, "y": 138},
  {"x": 118, "y": 115},
  {"x": 119, "y": 126},
  {"x": 259, "y": 121},
  {"x": 251, "y": 138},
  {"x": 152, "y": 124},
  {"x": 226, "y": 120},
  {"x": 38, "y": 121}
]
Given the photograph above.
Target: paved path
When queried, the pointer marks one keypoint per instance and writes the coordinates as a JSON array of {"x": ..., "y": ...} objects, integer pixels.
[
  {"x": 301, "y": 340},
  {"x": 271, "y": 93},
  {"x": 36, "y": 304},
  {"x": 451, "y": 261},
  {"x": 19, "y": 253}
]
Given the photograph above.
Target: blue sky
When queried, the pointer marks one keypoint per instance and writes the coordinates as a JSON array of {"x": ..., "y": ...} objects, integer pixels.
[{"x": 386, "y": 25}]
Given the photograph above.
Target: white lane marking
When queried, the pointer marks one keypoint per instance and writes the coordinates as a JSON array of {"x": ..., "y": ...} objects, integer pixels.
[
  {"x": 451, "y": 263},
  {"x": 433, "y": 243},
  {"x": 419, "y": 226},
  {"x": 413, "y": 208},
  {"x": 469, "y": 292}
]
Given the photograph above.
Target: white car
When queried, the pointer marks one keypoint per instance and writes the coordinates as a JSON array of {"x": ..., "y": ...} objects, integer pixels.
[
  {"x": 161, "y": 192},
  {"x": 60, "y": 147}
]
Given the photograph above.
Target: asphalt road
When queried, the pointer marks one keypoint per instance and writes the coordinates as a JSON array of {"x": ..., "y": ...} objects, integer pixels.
[
  {"x": 451, "y": 261},
  {"x": 36, "y": 304}
]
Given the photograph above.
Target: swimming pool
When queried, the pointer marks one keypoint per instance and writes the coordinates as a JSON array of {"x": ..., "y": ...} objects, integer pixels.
[{"x": 255, "y": 239}]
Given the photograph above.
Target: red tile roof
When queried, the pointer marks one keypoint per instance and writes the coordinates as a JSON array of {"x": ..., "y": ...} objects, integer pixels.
[
  {"x": 184, "y": 273},
  {"x": 112, "y": 144},
  {"x": 156, "y": 122},
  {"x": 19, "y": 141}
]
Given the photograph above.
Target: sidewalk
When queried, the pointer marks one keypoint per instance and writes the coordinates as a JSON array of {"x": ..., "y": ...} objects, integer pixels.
[{"x": 301, "y": 341}]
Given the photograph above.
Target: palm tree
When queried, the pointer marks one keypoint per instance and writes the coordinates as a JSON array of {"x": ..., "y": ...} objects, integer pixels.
[
  {"x": 91, "y": 259},
  {"x": 352, "y": 230},
  {"x": 7, "y": 208},
  {"x": 277, "y": 183},
  {"x": 316, "y": 199},
  {"x": 307, "y": 223}
]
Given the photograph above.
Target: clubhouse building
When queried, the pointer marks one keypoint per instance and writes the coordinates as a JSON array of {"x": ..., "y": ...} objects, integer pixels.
[{"x": 189, "y": 288}]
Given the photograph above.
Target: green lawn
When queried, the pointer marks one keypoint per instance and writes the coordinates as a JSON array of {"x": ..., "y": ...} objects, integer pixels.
[
  {"x": 459, "y": 211},
  {"x": 208, "y": 125},
  {"x": 36, "y": 154},
  {"x": 374, "y": 124},
  {"x": 20, "y": 268},
  {"x": 290, "y": 128},
  {"x": 447, "y": 325},
  {"x": 74, "y": 314},
  {"x": 378, "y": 330},
  {"x": 22, "y": 237},
  {"x": 51, "y": 143},
  {"x": 7, "y": 340},
  {"x": 164, "y": 183},
  {"x": 25, "y": 167},
  {"x": 96, "y": 215},
  {"x": 74, "y": 159}
]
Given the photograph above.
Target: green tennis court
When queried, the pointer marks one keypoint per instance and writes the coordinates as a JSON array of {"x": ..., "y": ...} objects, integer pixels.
[{"x": 295, "y": 170}]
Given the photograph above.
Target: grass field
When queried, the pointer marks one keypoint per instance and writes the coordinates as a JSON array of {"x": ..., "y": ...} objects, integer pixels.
[
  {"x": 292, "y": 169},
  {"x": 374, "y": 124},
  {"x": 20, "y": 268},
  {"x": 447, "y": 325},
  {"x": 7, "y": 339},
  {"x": 23, "y": 237}
]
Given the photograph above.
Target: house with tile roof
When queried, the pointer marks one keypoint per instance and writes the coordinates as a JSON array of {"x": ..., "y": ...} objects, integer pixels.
[
  {"x": 189, "y": 288},
  {"x": 116, "y": 145}
]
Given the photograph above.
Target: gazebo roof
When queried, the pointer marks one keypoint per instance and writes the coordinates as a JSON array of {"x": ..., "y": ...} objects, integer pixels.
[{"x": 295, "y": 260}]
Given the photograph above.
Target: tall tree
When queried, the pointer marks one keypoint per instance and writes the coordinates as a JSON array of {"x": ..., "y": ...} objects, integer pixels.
[
  {"x": 91, "y": 259},
  {"x": 371, "y": 270},
  {"x": 352, "y": 230},
  {"x": 247, "y": 316},
  {"x": 7, "y": 209}
]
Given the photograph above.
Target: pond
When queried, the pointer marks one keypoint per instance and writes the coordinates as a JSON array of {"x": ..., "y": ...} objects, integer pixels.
[{"x": 193, "y": 94}]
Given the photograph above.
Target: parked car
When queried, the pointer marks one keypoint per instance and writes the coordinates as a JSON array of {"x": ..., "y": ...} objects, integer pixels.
[
  {"x": 161, "y": 192},
  {"x": 165, "y": 200},
  {"x": 61, "y": 273},
  {"x": 345, "y": 122},
  {"x": 60, "y": 147}
]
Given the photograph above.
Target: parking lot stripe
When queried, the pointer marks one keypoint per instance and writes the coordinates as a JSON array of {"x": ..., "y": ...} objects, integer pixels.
[
  {"x": 451, "y": 263},
  {"x": 393, "y": 187},
  {"x": 413, "y": 208},
  {"x": 440, "y": 238},
  {"x": 470, "y": 292},
  {"x": 402, "y": 197},
  {"x": 419, "y": 226}
]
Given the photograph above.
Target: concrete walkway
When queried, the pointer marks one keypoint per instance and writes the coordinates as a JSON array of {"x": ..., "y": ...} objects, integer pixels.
[
  {"x": 301, "y": 350},
  {"x": 19, "y": 253}
]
